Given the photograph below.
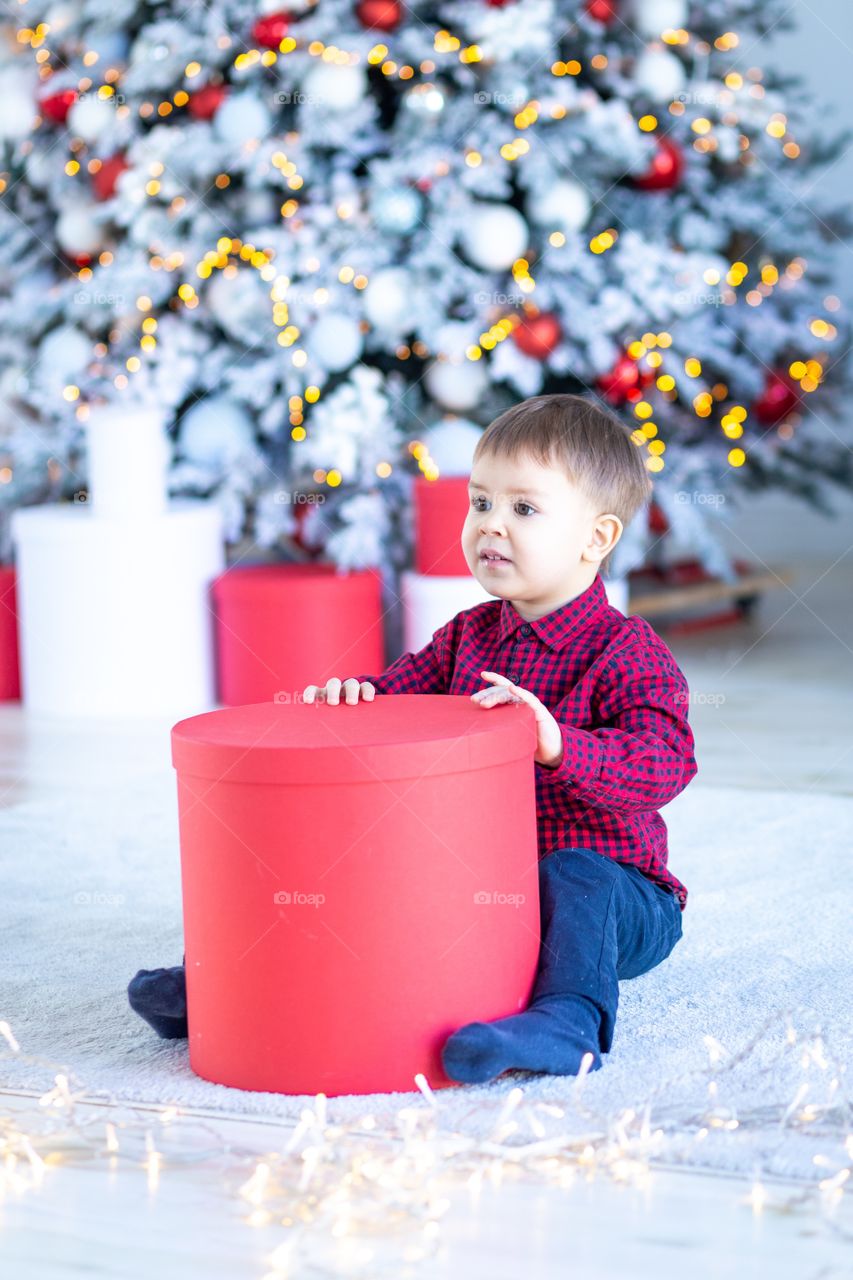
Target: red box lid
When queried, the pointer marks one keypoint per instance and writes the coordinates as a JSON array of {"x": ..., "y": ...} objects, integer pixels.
[{"x": 396, "y": 736}]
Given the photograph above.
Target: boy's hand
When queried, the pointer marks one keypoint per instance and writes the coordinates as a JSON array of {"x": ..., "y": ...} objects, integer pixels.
[
  {"x": 549, "y": 741},
  {"x": 331, "y": 691}
]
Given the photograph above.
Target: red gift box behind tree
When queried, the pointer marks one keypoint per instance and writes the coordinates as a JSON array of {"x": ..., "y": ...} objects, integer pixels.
[
  {"x": 440, "y": 509},
  {"x": 358, "y": 882}
]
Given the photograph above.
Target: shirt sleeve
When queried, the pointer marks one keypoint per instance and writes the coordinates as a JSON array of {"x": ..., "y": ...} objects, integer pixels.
[
  {"x": 642, "y": 755},
  {"x": 428, "y": 671}
]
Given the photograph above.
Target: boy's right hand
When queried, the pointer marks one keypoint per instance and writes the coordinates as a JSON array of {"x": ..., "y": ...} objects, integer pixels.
[{"x": 331, "y": 691}]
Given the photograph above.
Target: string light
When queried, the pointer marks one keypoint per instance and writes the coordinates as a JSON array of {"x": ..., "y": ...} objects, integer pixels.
[{"x": 377, "y": 1190}]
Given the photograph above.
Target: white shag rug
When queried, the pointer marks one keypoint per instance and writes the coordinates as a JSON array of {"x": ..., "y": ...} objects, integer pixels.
[{"x": 766, "y": 930}]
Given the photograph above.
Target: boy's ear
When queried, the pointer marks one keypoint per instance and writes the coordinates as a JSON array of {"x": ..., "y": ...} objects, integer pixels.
[{"x": 604, "y": 535}]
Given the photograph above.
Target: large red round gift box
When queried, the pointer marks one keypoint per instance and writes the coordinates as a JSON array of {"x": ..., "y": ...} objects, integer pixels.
[{"x": 358, "y": 882}]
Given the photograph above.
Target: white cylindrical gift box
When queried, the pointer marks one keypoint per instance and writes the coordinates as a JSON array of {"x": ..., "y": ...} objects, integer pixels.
[
  {"x": 128, "y": 461},
  {"x": 114, "y": 615},
  {"x": 429, "y": 601},
  {"x": 617, "y": 593}
]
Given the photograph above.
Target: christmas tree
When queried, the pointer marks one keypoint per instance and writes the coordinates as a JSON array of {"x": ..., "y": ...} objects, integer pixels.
[{"x": 312, "y": 235}]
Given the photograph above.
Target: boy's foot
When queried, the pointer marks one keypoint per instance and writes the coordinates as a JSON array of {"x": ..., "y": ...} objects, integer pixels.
[
  {"x": 160, "y": 997},
  {"x": 552, "y": 1035}
]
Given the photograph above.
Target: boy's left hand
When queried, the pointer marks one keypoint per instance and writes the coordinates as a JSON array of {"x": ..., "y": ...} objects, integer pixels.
[{"x": 549, "y": 741}]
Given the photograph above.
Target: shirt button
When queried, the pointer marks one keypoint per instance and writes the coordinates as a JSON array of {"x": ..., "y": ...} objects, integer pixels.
[{"x": 525, "y": 630}]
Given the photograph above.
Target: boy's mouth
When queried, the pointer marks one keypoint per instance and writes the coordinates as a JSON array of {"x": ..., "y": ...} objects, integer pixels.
[{"x": 493, "y": 557}]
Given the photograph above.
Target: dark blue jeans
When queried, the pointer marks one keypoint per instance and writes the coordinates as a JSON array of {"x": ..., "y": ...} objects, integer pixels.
[{"x": 601, "y": 920}]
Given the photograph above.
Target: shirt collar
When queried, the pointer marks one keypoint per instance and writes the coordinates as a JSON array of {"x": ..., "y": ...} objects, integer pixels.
[{"x": 557, "y": 628}]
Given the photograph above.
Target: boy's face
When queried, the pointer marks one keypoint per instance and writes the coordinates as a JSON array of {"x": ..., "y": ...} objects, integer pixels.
[{"x": 551, "y": 536}]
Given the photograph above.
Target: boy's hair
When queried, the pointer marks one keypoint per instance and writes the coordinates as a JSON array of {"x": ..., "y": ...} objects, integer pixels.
[{"x": 592, "y": 446}]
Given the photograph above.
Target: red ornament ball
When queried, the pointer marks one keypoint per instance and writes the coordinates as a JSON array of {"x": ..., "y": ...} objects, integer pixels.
[
  {"x": 604, "y": 11},
  {"x": 270, "y": 30},
  {"x": 104, "y": 181},
  {"x": 538, "y": 335},
  {"x": 382, "y": 14},
  {"x": 205, "y": 102},
  {"x": 666, "y": 168},
  {"x": 625, "y": 381},
  {"x": 55, "y": 106},
  {"x": 781, "y": 396}
]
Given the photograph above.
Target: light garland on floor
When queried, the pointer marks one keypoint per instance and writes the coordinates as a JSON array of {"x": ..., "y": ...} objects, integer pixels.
[{"x": 357, "y": 1198}]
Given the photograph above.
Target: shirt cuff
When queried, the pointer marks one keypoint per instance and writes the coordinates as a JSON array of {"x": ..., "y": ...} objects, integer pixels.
[{"x": 575, "y": 767}]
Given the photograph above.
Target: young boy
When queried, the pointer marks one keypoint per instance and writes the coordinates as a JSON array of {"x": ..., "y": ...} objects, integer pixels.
[{"x": 554, "y": 482}]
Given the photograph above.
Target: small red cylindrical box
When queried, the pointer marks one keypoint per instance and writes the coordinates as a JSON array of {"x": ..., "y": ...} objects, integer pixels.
[
  {"x": 440, "y": 509},
  {"x": 358, "y": 882},
  {"x": 280, "y": 627},
  {"x": 10, "y": 662}
]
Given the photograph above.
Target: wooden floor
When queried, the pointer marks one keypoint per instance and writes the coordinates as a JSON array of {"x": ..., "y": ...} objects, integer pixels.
[{"x": 777, "y": 712}]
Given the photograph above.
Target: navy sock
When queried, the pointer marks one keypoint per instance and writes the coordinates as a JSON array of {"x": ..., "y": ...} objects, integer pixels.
[
  {"x": 160, "y": 997},
  {"x": 552, "y": 1035}
]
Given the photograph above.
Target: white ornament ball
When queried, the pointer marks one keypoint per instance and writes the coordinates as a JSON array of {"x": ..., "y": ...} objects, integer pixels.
[
  {"x": 90, "y": 117},
  {"x": 335, "y": 88},
  {"x": 334, "y": 342},
  {"x": 565, "y": 206},
  {"x": 451, "y": 445},
  {"x": 41, "y": 169},
  {"x": 215, "y": 431},
  {"x": 18, "y": 109},
  {"x": 64, "y": 354},
  {"x": 396, "y": 212},
  {"x": 652, "y": 17},
  {"x": 387, "y": 297},
  {"x": 239, "y": 303},
  {"x": 454, "y": 338},
  {"x": 78, "y": 231},
  {"x": 242, "y": 117},
  {"x": 458, "y": 387},
  {"x": 494, "y": 235},
  {"x": 659, "y": 74}
]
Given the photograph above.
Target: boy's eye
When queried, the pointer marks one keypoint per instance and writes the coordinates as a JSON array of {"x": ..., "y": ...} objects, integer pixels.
[{"x": 475, "y": 501}]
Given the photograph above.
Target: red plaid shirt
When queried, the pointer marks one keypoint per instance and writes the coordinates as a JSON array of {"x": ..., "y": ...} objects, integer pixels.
[{"x": 619, "y": 697}]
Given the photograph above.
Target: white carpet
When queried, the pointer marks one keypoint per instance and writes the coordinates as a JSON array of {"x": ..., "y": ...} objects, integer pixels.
[{"x": 766, "y": 928}]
